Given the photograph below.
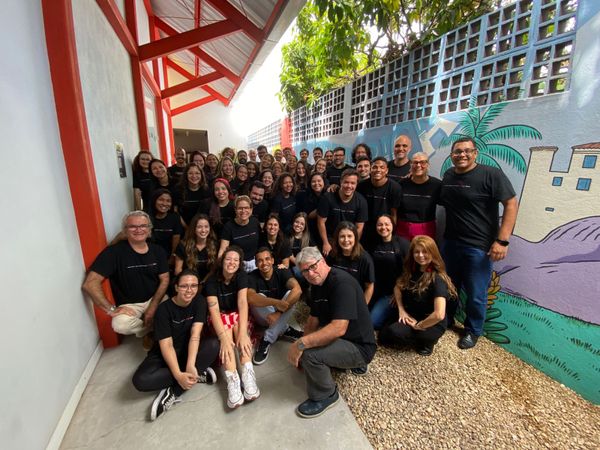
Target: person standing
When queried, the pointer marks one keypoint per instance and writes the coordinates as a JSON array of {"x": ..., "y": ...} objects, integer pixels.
[
  {"x": 176, "y": 170},
  {"x": 399, "y": 167},
  {"x": 337, "y": 167},
  {"x": 471, "y": 193}
]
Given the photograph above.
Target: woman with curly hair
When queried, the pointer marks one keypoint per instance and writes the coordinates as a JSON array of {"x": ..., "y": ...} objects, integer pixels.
[
  {"x": 193, "y": 194},
  {"x": 273, "y": 238},
  {"x": 226, "y": 169},
  {"x": 421, "y": 294},
  {"x": 198, "y": 250},
  {"x": 347, "y": 254}
]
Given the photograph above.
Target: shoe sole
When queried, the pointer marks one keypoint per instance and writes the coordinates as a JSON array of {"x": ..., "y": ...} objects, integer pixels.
[
  {"x": 249, "y": 398},
  {"x": 212, "y": 376},
  {"x": 258, "y": 363},
  {"x": 235, "y": 405},
  {"x": 305, "y": 416},
  {"x": 360, "y": 374},
  {"x": 155, "y": 403}
]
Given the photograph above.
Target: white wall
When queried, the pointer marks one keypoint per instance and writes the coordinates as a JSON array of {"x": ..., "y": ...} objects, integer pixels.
[
  {"x": 47, "y": 330},
  {"x": 107, "y": 86}
]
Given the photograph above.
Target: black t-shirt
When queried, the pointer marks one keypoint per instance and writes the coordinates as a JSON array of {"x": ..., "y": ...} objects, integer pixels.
[
  {"x": 380, "y": 200},
  {"x": 395, "y": 172},
  {"x": 246, "y": 236},
  {"x": 471, "y": 201},
  {"x": 143, "y": 181},
  {"x": 164, "y": 229},
  {"x": 340, "y": 297},
  {"x": 334, "y": 174},
  {"x": 275, "y": 287},
  {"x": 388, "y": 259},
  {"x": 133, "y": 276},
  {"x": 240, "y": 187},
  {"x": 419, "y": 200},
  {"x": 176, "y": 172},
  {"x": 421, "y": 306},
  {"x": 286, "y": 208},
  {"x": 335, "y": 210},
  {"x": 227, "y": 294},
  {"x": 202, "y": 269},
  {"x": 361, "y": 268},
  {"x": 261, "y": 211},
  {"x": 189, "y": 203},
  {"x": 173, "y": 321},
  {"x": 280, "y": 250}
]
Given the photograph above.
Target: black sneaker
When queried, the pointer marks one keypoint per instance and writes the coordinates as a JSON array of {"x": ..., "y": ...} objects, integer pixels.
[
  {"x": 207, "y": 376},
  {"x": 292, "y": 334},
  {"x": 311, "y": 408},
  {"x": 360, "y": 371},
  {"x": 425, "y": 350},
  {"x": 163, "y": 402},
  {"x": 468, "y": 341},
  {"x": 262, "y": 352}
]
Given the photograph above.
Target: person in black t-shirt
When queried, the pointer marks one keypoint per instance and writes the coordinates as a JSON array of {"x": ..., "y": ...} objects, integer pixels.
[
  {"x": 337, "y": 167},
  {"x": 198, "y": 250},
  {"x": 227, "y": 295},
  {"x": 272, "y": 295},
  {"x": 260, "y": 207},
  {"x": 345, "y": 204},
  {"x": 347, "y": 254},
  {"x": 420, "y": 196},
  {"x": 399, "y": 167},
  {"x": 383, "y": 197},
  {"x": 142, "y": 180},
  {"x": 284, "y": 201},
  {"x": 389, "y": 253},
  {"x": 360, "y": 151},
  {"x": 363, "y": 167},
  {"x": 221, "y": 206},
  {"x": 299, "y": 237},
  {"x": 193, "y": 194},
  {"x": 471, "y": 194},
  {"x": 338, "y": 332},
  {"x": 274, "y": 239},
  {"x": 176, "y": 170},
  {"x": 179, "y": 359},
  {"x": 161, "y": 178},
  {"x": 243, "y": 231},
  {"x": 139, "y": 276},
  {"x": 421, "y": 294},
  {"x": 166, "y": 224}
]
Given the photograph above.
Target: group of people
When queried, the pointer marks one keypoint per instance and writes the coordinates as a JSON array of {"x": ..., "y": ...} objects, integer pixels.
[{"x": 247, "y": 236}]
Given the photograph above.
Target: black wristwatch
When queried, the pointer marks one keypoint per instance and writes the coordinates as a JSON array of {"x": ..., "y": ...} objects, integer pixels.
[{"x": 502, "y": 243}]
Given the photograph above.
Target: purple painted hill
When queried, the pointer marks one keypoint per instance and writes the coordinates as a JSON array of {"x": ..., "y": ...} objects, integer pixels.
[{"x": 561, "y": 272}]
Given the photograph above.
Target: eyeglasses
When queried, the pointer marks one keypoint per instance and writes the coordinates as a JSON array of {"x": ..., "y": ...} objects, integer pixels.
[
  {"x": 466, "y": 151},
  {"x": 419, "y": 163},
  {"x": 243, "y": 208},
  {"x": 401, "y": 146},
  {"x": 310, "y": 268},
  {"x": 187, "y": 287},
  {"x": 137, "y": 227}
]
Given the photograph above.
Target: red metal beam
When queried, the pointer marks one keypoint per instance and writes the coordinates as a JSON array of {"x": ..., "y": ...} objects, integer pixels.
[
  {"x": 188, "y": 85},
  {"x": 196, "y": 25},
  {"x": 147, "y": 75},
  {"x": 75, "y": 141},
  {"x": 171, "y": 136},
  {"x": 186, "y": 39},
  {"x": 192, "y": 105},
  {"x": 183, "y": 72},
  {"x": 112, "y": 14},
  {"x": 233, "y": 14},
  {"x": 170, "y": 31},
  {"x": 148, "y": 7}
]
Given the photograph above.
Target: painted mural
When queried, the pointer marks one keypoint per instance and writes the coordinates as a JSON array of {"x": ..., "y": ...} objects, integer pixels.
[{"x": 543, "y": 299}]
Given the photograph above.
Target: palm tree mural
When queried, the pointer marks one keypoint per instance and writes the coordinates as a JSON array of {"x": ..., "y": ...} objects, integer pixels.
[{"x": 475, "y": 125}]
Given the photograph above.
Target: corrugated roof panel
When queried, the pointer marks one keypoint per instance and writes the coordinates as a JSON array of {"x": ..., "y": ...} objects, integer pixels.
[
  {"x": 223, "y": 86},
  {"x": 208, "y": 14},
  {"x": 179, "y": 14},
  {"x": 258, "y": 11},
  {"x": 233, "y": 51}
]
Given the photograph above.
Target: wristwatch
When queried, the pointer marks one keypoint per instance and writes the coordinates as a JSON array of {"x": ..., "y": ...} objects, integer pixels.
[
  {"x": 502, "y": 243},
  {"x": 112, "y": 308},
  {"x": 301, "y": 345}
]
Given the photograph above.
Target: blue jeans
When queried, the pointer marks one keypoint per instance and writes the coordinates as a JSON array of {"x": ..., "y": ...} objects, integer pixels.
[
  {"x": 381, "y": 310},
  {"x": 471, "y": 270}
]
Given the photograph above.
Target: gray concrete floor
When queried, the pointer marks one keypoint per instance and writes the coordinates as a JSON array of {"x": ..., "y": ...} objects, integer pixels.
[{"x": 112, "y": 414}]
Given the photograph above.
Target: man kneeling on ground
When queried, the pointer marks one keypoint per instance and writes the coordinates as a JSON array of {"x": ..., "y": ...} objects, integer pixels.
[
  {"x": 272, "y": 295},
  {"x": 178, "y": 361},
  {"x": 339, "y": 332}
]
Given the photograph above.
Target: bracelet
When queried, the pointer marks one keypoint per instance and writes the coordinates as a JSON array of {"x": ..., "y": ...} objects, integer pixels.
[{"x": 112, "y": 309}]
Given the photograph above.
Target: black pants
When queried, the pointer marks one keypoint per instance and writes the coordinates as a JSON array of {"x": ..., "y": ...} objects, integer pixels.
[
  {"x": 396, "y": 333},
  {"x": 153, "y": 374}
]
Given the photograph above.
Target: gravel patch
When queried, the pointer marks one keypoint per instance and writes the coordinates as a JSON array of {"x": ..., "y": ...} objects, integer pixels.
[{"x": 480, "y": 398}]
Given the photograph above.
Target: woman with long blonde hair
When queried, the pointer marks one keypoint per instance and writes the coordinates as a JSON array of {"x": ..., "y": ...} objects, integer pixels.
[{"x": 421, "y": 294}]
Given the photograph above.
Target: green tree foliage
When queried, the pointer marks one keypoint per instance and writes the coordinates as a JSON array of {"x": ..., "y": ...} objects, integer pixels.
[{"x": 333, "y": 43}]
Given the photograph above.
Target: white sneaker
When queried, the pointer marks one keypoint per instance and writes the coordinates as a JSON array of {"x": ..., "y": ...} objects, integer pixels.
[
  {"x": 251, "y": 391},
  {"x": 234, "y": 391}
]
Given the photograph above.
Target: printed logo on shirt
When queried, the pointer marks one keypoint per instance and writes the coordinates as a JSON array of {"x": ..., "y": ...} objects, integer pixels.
[
  {"x": 320, "y": 300},
  {"x": 186, "y": 319},
  {"x": 140, "y": 266},
  {"x": 417, "y": 195},
  {"x": 165, "y": 230},
  {"x": 244, "y": 236},
  {"x": 347, "y": 269}
]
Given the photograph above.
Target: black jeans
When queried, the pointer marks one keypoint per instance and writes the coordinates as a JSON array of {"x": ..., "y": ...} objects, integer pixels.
[
  {"x": 396, "y": 333},
  {"x": 153, "y": 373}
]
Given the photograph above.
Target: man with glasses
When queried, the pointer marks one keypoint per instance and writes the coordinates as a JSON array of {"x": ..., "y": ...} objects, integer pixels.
[
  {"x": 338, "y": 333},
  {"x": 471, "y": 193},
  {"x": 399, "y": 167},
  {"x": 420, "y": 196},
  {"x": 383, "y": 197},
  {"x": 139, "y": 276},
  {"x": 334, "y": 172}
]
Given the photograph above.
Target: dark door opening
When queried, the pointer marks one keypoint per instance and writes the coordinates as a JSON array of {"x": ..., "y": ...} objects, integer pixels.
[{"x": 191, "y": 140}]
